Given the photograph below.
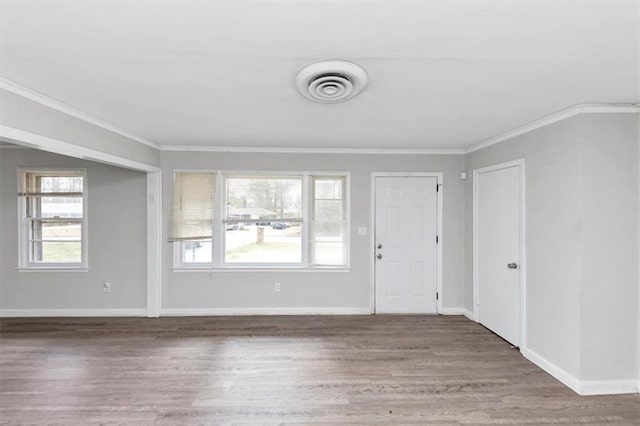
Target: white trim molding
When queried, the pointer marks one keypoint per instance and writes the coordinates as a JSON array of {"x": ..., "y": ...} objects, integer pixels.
[
  {"x": 584, "y": 387},
  {"x": 452, "y": 311},
  {"x": 154, "y": 244},
  {"x": 566, "y": 378},
  {"x": 41, "y": 313},
  {"x": 553, "y": 118},
  {"x": 608, "y": 387},
  {"x": 262, "y": 311},
  {"x": 301, "y": 150},
  {"x": 34, "y": 96}
]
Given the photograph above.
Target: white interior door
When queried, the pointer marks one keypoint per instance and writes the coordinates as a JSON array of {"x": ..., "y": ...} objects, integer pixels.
[
  {"x": 497, "y": 250},
  {"x": 405, "y": 238}
]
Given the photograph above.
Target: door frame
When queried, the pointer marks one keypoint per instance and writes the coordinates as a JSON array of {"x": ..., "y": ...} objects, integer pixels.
[
  {"x": 523, "y": 259},
  {"x": 372, "y": 239}
]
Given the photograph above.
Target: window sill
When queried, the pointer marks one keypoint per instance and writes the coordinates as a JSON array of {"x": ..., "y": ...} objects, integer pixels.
[
  {"x": 258, "y": 269},
  {"x": 53, "y": 269}
]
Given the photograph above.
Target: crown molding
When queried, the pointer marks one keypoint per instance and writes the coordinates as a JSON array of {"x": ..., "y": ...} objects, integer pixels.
[
  {"x": 553, "y": 118},
  {"x": 69, "y": 110},
  {"x": 298, "y": 150},
  {"x": 542, "y": 122}
]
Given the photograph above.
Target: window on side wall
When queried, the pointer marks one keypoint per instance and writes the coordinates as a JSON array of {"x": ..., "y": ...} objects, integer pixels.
[{"x": 52, "y": 212}]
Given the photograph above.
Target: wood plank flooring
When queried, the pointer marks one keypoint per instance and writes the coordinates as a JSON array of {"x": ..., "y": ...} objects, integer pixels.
[{"x": 340, "y": 370}]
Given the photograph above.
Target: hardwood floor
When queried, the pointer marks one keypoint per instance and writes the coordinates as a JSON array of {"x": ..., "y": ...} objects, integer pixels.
[{"x": 278, "y": 370}]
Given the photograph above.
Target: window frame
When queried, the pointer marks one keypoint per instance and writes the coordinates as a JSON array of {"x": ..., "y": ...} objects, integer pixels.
[
  {"x": 24, "y": 259},
  {"x": 219, "y": 223},
  {"x": 313, "y": 219}
]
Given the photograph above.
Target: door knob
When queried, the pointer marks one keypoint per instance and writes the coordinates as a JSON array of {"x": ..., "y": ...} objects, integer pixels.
[
  {"x": 512, "y": 266},
  {"x": 379, "y": 256}
]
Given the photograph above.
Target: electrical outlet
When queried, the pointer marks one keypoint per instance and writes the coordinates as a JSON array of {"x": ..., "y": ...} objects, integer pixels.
[
  {"x": 106, "y": 287},
  {"x": 276, "y": 287}
]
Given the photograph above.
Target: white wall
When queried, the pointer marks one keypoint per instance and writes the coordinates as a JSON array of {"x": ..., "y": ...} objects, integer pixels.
[
  {"x": 116, "y": 237},
  {"x": 349, "y": 289},
  {"x": 582, "y": 242}
]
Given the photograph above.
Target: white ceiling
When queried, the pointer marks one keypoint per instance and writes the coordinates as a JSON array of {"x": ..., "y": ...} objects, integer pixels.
[{"x": 442, "y": 74}]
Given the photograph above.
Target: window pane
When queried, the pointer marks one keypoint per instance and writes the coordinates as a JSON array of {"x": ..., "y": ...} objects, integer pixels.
[
  {"x": 60, "y": 183},
  {"x": 279, "y": 242},
  {"x": 53, "y": 214},
  {"x": 328, "y": 209},
  {"x": 328, "y": 230},
  {"x": 196, "y": 251},
  {"x": 328, "y": 188},
  {"x": 60, "y": 231},
  {"x": 329, "y": 253},
  {"x": 60, "y": 207},
  {"x": 191, "y": 216},
  {"x": 263, "y": 198},
  {"x": 56, "y": 252}
]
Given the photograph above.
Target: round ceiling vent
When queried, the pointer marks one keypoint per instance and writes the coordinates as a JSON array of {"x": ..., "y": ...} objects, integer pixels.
[{"x": 331, "y": 81}]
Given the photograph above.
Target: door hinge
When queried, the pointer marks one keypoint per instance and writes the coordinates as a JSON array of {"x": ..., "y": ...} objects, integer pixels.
[
  {"x": 437, "y": 239},
  {"x": 437, "y": 187},
  {"x": 437, "y": 296}
]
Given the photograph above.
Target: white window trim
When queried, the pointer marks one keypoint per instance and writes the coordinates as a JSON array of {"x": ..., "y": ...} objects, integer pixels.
[
  {"x": 346, "y": 199},
  {"x": 24, "y": 264},
  {"x": 218, "y": 264}
]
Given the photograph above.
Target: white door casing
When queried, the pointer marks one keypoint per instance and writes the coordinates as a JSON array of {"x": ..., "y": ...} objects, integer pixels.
[
  {"x": 499, "y": 250},
  {"x": 406, "y": 224}
]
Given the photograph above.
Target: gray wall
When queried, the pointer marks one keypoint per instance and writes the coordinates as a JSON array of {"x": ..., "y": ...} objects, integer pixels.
[
  {"x": 116, "y": 236},
  {"x": 350, "y": 289},
  {"x": 21, "y": 113},
  {"x": 582, "y": 227},
  {"x": 553, "y": 236},
  {"x": 582, "y": 238},
  {"x": 609, "y": 204}
]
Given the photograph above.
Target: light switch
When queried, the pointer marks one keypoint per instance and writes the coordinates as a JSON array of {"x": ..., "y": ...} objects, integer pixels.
[{"x": 362, "y": 230}]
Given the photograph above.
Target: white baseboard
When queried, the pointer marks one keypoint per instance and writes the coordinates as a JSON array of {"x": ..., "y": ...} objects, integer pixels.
[
  {"x": 608, "y": 387},
  {"x": 35, "y": 313},
  {"x": 584, "y": 387},
  {"x": 262, "y": 311},
  {"x": 451, "y": 311},
  {"x": 469, "y": 314},
  {"x": 569, "y": 380}
]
